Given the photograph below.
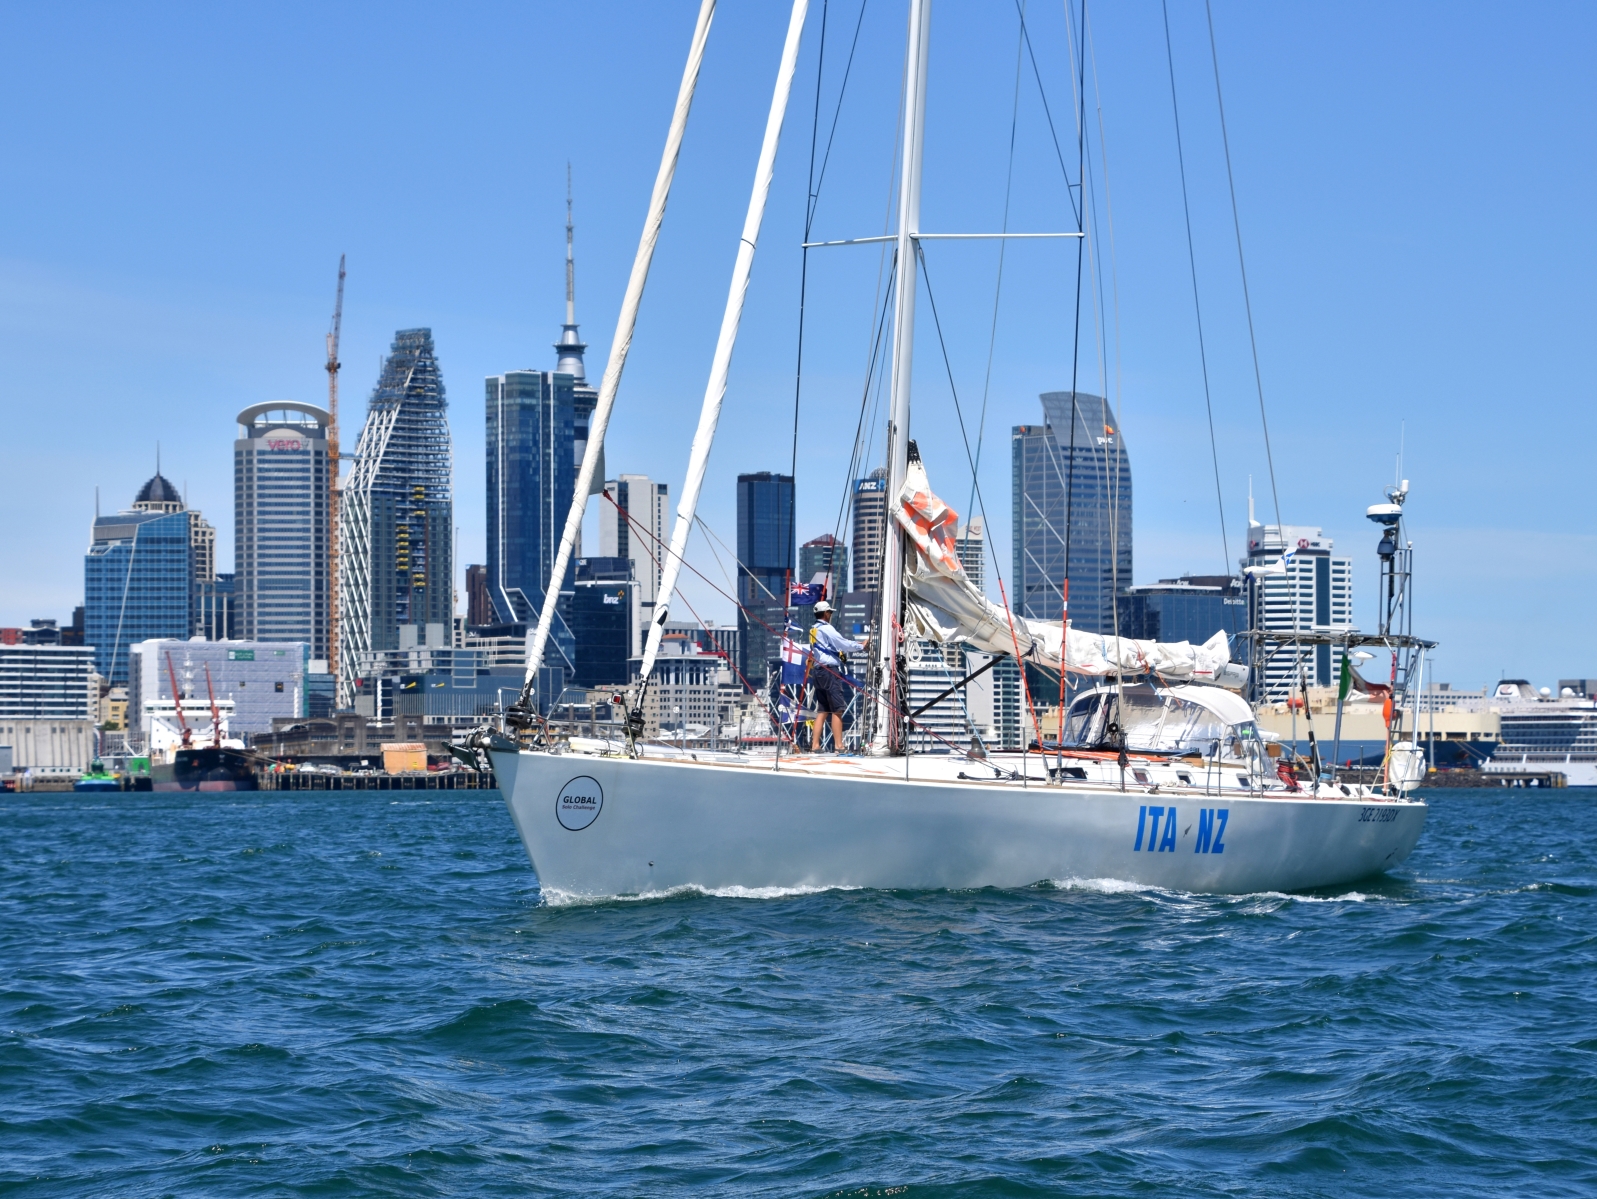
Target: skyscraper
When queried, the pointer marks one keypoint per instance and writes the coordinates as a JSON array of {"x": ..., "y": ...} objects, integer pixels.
[
  {"x": 604, "y": 621},
  {"x": 1075, "y": 465},
  {"x": 1313, "y": 594},
  {"x": 824, "y": 555},
  {"x": 396, "y": 514},
  {"x": 138, "y": 577},
  {"x": 765, "y": 565},
  {"x": 281, "y": 474},
  {"x": 971, "y": 544},
  {"x": 635, "y": 526},
  {"x": 479, "y": 607},
  {"x": 530, "y": 478},
  {"x": 870, "y": 526}
]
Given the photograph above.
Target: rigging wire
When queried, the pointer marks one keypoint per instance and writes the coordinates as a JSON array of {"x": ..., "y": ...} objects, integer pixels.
[
  {"x": 1242, "y": 267},
  {"x": 1042, "y": 92},
  {"x": 804, "y": 279},
  {"x": 1025, "y": 687},
  {"x": 869, "y": 693},
  {"x": 1197, "y": 307},
  {"x": 998, "y": 283},
  {"x": 1075, "y": 365}
]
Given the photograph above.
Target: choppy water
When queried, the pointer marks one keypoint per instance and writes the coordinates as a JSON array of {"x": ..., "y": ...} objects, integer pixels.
[{"x": 326, "y": 994}]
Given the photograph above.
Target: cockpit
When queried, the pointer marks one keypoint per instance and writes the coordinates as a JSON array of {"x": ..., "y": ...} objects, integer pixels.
[{"x": 1180, "y": 720}]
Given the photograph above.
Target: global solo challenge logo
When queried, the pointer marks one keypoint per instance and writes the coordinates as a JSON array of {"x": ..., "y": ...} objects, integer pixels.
[{"x": 579, "y": 803}]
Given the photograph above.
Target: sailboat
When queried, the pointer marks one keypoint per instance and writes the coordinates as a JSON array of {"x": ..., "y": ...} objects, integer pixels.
[{"x": 1159, "y": 777}]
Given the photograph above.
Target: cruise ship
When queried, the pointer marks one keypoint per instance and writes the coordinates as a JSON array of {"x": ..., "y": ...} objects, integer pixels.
[{"x": 1543, "y": 731}]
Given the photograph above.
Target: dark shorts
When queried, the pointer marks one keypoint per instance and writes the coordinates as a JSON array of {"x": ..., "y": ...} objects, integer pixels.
[{"x": 831, "y": 692}]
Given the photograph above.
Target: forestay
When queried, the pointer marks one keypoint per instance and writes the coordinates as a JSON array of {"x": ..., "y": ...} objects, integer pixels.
[{"x": 944, "y": 606}]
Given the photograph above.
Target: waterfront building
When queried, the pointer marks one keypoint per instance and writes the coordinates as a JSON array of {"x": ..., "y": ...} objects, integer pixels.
[
  {"x": 710, "y": 638},
  {"x": 138, "y": 577},
  {"x": 1312, "y": 593},
  {"x": 684, "y": 696},
  {"x": 1074, "y": 465},
  {"x": 870, "y": 528},
  {"x": 765, "y": 545},
  {"x": 262, "y": 680},
  {"x": 49, "y": 702},
  {"x": 1191, "y": 608},
  {"x": 282, "y": 485},
  {"x": 824, "y": 555},
  {"x": 396, "y": 515}
]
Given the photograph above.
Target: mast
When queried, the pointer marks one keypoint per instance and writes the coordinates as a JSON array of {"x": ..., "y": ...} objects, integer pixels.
[
  {"x": 889, "y": 734},
  {"x": 619, "y": 346},
  {"x": 721, "y": 364}
]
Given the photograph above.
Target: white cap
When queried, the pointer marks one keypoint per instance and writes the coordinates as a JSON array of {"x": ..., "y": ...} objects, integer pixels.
[{"x": 822, "y": 606}]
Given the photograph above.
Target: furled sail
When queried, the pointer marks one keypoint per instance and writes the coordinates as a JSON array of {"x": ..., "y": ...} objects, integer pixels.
[{"x": 945, "y": 606}]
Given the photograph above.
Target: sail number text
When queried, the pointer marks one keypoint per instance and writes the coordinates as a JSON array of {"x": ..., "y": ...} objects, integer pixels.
[{"x": 1157, "y": 827}]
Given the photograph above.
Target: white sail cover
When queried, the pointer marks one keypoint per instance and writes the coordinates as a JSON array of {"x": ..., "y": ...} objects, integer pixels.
[{"x": 944, "y": 605}]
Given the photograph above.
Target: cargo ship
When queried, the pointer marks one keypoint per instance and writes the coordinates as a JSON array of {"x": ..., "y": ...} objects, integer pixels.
[{"x": 208, "y": 768}]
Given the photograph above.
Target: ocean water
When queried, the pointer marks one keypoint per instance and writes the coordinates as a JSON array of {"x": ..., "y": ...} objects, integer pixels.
[{"x": 329, "y": 994}]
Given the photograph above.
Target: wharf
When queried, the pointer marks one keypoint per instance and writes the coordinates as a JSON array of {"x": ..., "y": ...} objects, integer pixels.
[
  {"x": 1460, "y": 777},
  {"x": 451, "y": 780}
]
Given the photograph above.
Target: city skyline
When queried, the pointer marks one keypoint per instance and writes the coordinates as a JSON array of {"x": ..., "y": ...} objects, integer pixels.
[{"x": 168, "y": 299}]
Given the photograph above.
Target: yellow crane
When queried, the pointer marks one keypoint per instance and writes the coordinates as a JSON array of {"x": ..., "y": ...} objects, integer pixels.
[{"x": 332, "y": 473}]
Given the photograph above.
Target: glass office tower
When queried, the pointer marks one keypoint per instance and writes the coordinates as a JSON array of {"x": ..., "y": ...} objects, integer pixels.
[
  {"x": 138, "y": 578},
  {"x": 1076, "y": 465},
  {"x": 765, "y": 565},
  {"x": 282, "y": 590},
  {"x": 530, "y": 418}
]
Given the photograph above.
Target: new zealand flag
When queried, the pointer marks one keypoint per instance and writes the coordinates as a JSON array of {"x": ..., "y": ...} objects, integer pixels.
[{"x": 803, "y": 595}]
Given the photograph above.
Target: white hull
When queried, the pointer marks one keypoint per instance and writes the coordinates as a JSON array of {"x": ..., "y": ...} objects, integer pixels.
[{"x": 654, "y": 824}]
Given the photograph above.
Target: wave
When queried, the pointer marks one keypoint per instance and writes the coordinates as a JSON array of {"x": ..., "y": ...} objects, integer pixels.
[{"x": 554, "y": 897}]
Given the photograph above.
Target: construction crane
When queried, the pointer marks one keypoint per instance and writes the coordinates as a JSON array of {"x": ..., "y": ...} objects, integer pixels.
[{"x": 332, "y": 474}]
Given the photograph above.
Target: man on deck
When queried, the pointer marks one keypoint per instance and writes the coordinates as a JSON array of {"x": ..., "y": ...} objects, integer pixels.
[{"x": 827, "y": 646}]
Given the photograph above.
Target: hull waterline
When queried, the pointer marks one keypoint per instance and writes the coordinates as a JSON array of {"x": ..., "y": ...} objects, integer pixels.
[{"x": 597, "y": 826}]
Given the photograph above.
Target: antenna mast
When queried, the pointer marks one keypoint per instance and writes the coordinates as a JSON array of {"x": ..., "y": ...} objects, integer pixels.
[
  {"x": 332, "y": 473},
  {"x": 571, "y": 271}
]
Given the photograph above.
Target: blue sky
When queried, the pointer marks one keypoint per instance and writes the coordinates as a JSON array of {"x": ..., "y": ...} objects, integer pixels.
[{"x": 1414, "y": 184}]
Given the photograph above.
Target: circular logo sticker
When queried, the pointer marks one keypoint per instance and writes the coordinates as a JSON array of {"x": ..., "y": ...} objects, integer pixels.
[{"x": 579, "y": 803}]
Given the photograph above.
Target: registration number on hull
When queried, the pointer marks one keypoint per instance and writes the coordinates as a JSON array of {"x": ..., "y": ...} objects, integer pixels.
[{"x": 1158, "y": 826}]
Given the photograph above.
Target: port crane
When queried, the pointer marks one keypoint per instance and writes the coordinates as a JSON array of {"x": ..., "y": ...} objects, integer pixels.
[
  {"x": 333, "y": 366},
  {"x": 216, "y": 716},
  {"x": 177, "y": 703}
]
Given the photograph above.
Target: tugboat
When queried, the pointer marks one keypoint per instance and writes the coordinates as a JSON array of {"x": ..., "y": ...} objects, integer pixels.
[{"x": 98, "y": 779}]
